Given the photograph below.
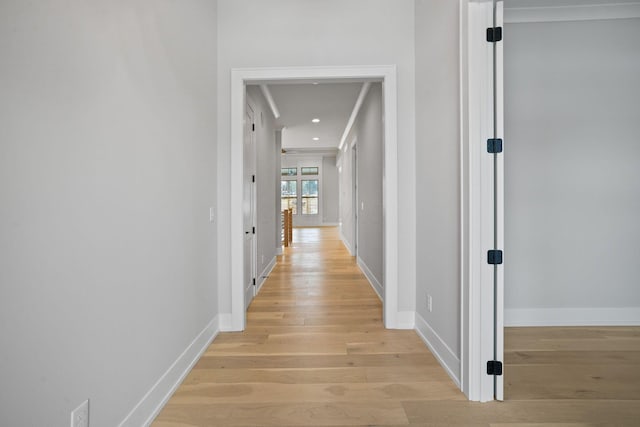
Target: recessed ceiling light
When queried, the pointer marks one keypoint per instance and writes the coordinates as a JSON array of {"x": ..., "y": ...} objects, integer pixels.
[
  {"x": 315, "y": 138},
  {"x": 316, "y": 83},
  {"x": 315, "y": 120}
]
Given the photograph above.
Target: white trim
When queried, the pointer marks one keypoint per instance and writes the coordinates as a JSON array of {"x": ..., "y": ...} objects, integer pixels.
[
  {"x": 265, "y": 274},
  {"x": 627, "y": 316},
  {"x": 476, "y": 87},
  {"x": 354, "y": 113},
  {"x": 269, "y": 98},
  {"x": 438, "y": 348},
  {"x": 148, "y": 408},
  {"x": 386, "y": 73},
  {"x": 587, "y": 12},
  {"x": 406, "y": 320},
  {"x": 329, "y": 224},
  {"x": 226, "y": 322},
  {"x": 465, "y": 308},
  {"x": 375, "y": 284},
  {"x": 499, "y": 298},
  {"x": 345, "y": 242}
]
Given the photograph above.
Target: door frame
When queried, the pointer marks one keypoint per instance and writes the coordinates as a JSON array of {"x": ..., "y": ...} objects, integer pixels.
[
  {"x": 477, "y": 201},
  {"x": 240, "y": 77}
]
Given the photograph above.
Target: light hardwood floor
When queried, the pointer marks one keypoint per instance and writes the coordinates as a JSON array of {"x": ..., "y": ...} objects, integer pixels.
[{"x": 315, "y": 353}]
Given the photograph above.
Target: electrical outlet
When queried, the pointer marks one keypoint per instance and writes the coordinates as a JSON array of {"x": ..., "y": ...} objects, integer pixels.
[
  {"x": 429, "y": 303},
  {"x": 80, "y": 415},
  {"x": 262, "y": 262}
]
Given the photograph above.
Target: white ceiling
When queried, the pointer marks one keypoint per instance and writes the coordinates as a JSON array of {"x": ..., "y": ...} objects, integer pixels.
[{"x": 332, "y": 103}]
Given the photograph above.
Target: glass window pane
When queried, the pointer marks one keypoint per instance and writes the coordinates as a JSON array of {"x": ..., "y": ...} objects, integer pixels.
[
  {"x": 289, "y": 203},
  {"x": 309, "y": 171},
  {"x": 309, "y": 197},
  {"x": 310, "y": 188},
  {"x": 289, "y": 195},
  {"x": 288, "y": 188},
  {"x": 289, "y": 171},
  {"x": 309, "y": 205}
]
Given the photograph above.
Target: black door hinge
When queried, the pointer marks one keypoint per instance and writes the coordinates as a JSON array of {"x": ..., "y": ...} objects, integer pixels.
[
  {"x": 253, "y": 178},
  {"x": 494, "y": 34},
  {"x": 254, "y": 230},
  {"x": 494, "y": 256},
  {"x": 253, "y": 127},
  {"x": 494, "y": 145},
  {"x": 494, "y": 367},
  {"x": 254, "y": 281}
]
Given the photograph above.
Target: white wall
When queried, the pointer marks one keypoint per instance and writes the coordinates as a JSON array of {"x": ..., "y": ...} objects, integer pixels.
[
  {"x": 308, "y": 33},
  {"x": 368, "y": 131},
  {"x": 330, "y": 196},
  {"x": 438, "y": 175},
  {"x": 572, "y": 172},
  {"x": 266, "y": 155},
  {"x": 346, "y": 196},
  {"x": 107, "y": 173}
]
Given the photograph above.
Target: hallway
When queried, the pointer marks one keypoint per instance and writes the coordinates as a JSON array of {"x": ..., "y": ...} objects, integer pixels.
[{"x": 314, "y": 353}]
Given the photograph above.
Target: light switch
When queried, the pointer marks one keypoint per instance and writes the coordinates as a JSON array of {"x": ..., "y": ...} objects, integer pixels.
[{"x": 211, "y": 214}]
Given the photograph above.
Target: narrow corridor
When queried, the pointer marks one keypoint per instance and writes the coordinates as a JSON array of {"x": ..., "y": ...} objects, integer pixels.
[{"x": 315, "y": 353}]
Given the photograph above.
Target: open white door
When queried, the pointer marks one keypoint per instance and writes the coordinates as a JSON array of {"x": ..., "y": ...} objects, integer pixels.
[
  {"x": 482, "y": 200},
  {"x": 498, "y": 179},
  {"x": 248, "y": 206}
]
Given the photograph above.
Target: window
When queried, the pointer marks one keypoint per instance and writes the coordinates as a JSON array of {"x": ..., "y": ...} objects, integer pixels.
[
  {"x": 309, "y": 171},
  {"x": 289, "y": 195},
  {"x": 310, "y": 197},
  {"x": 289, "y": 171}
]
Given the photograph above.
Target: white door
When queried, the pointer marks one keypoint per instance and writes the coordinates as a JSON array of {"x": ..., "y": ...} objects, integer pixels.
[
  {"x": 354, "y": 181},
  {"x": 248, "y": 206},
  {"x": 483, "y": 293},
  {"x": 498, "y": 204}
]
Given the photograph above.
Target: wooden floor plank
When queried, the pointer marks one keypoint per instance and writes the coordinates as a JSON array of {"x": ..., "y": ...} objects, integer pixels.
[
  {"x": 574, "y": 381},
  {"x": 282, "y": 414},
  {"x": 315, "y": 353},
  {"x": 278, "y": 375},
  {"x": 618, "y": 412}
]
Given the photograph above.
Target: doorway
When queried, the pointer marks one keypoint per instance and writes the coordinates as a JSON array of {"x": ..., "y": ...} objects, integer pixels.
[
  {"x": 572, "y": 186},
  {"x": 482, "y": 97},
  {"x": 385, "y": 74}
]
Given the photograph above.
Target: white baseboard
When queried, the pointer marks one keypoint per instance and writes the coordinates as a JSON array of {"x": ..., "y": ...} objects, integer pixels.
[
  {"x": 265, "y": 273},
  {"x": 330, "y": 224},
  {"x": 226, "y": 322},
  {"x": 447, "y": 358},
  {"x": 375, "y": 284},
  {"x": 154, "y": 400},
  {"x": 346, "y": 244},
  {"x": 406, "y": 320},
  {"x": 572, "y": 317}
]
